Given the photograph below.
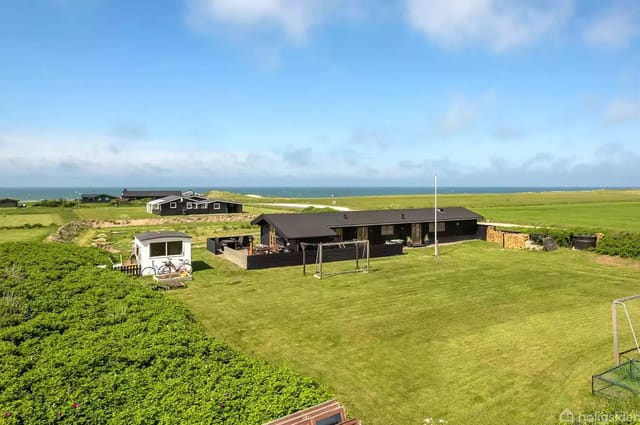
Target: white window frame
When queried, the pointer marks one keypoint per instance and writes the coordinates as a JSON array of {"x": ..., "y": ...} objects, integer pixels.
[
  {"x": 203, "y": 206},
  {"x": 189, "y": 205},
  {"x": 216, "y": 205},
  {"x": 173, "y": 205}
]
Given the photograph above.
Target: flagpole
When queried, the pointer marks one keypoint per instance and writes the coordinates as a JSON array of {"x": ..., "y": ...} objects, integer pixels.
[{"x": 435, "y": 213}]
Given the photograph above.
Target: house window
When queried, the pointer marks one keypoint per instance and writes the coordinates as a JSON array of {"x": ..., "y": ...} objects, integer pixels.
[
  {"x": 164, "y": 249},
  {"x": 440, "y": 227},
  {"x": 203, "y": 206},
  {"x": 387, "y": 230},
  {"x": 173, "y": 205},
  {"x": 189, "y": 204},
  {"x": 216, "y": 206}
]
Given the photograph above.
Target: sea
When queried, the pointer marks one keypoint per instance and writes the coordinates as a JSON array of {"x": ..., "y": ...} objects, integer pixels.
[{"x": 39, "y": 193}]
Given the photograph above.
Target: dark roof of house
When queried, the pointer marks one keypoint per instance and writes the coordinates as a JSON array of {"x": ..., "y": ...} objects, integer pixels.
[
  {"x": 297, "y": 225},
  {"x": 126, "y": 193},
  {"x": 95, "y": 195},
  {"x": 157, "y": 235},
  {"x": 9, "y": 199}
]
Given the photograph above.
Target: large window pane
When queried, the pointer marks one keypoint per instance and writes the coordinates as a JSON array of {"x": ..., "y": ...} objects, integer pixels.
[
  {"x": 157, "y": 249},
  {"x": 174, "y": 248}
]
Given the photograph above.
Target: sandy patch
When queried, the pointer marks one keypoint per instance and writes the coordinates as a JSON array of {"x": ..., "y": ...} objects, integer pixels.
[
  {"x": 303, "y": 206},
  {"x": 617, "y": 261},
  {"x": 98, "y": 224}
]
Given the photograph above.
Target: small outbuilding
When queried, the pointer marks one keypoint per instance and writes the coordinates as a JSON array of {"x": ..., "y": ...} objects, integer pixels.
[
  {"x": 9, "y": 203},
  {"x": 152, "y": 250}
]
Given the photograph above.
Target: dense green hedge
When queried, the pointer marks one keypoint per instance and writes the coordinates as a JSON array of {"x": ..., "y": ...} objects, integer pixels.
[
  {"x": 623, "y": 244},
  {"x": 82, "y": 345}
]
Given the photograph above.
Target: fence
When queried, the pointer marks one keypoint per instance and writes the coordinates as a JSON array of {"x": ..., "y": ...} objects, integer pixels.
[
  {"x": 283, "y": 259},
  {"x": 131, "y": 269}
]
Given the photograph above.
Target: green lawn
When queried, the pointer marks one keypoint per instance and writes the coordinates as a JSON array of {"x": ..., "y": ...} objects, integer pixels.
[
  {"x": 17, "y": 220},
  {"x": 617, "y": 216},
  {"x": 25, "y": 235},
  {"x": 112, "y": 212},
  {"x": 470, "y": 200},
  {"x": 480, "y": 335}
]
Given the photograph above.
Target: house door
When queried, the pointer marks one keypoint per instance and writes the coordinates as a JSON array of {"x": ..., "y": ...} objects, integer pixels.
[
  {"x": 363, "y": 233},
  {"x": 416, "y": 233}
]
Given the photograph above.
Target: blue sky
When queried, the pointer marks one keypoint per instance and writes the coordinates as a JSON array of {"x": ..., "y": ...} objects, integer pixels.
[{"x": 319, "y": 92}]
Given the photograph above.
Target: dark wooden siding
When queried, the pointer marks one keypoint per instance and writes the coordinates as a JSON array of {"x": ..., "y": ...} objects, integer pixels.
[{"x": 181, "y": 208}]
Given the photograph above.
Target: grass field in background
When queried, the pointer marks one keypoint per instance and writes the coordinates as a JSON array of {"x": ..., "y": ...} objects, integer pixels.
[
  {"x": 616, "y": 216},
  {"x": 25, "y": 235},
  {"x": 112, "y": 212},
  {"x": 15, "y": 220},
  {"x": 480, "y": 335},
  {"x": 469, "y": 200}
]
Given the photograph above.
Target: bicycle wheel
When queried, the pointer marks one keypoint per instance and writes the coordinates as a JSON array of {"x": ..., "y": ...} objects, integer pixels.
[
  {"x": 185, "y": 267},
  {"x": 165, "y": 269},
  {"x": 148, "y": 271}
]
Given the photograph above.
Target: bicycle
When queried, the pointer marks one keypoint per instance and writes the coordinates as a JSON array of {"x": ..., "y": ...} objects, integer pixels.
[{"x": 167, "y": 267}]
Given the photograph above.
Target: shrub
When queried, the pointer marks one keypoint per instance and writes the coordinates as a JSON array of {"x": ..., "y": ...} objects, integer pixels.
[
  {"x": 83, "y": 345},
  {"x": 623, "y": 244}
]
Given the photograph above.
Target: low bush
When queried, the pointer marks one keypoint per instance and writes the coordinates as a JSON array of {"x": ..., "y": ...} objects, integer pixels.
[
  {"x": 56, "y": 203},
  {"x": 83, "y": 345},
  {"x": 623, "y": 244}
]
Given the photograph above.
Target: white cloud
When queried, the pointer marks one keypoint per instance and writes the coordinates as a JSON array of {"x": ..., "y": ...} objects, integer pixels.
[
  {"x": 621, "y": 110},
  {"x": 459, "y": 116},
  {"x": 496, "y": 24},
  {"x": 294, "y": 17},
  {"x": 616, "y": 29}
]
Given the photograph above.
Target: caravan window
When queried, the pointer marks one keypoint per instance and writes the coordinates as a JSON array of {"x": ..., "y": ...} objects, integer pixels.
[
  {"x": 158, "y": 249},
  {"x": 164, "y": 249},
  {"x": 174, "y": 248}
]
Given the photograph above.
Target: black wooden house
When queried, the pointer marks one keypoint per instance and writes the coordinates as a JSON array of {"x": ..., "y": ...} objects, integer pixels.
[
  {"x": 9, "y": 203},
  {"x": 413, "y": 227},
  {"x": 193, "y": 204}
]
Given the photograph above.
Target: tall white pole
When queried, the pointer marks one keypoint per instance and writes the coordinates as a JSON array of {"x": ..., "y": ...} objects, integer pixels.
[{"x": 435, "y": 213}]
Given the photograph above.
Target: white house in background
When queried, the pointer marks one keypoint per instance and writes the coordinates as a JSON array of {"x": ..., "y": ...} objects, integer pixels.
[{"x": 152, "y": 250}]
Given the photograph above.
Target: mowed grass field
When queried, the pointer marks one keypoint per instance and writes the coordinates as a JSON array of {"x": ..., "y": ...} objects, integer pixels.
[
  {"x": 469, "y": 200},
  {"x": 613, "y": 216},
  {"x": 479, "y": 335}
]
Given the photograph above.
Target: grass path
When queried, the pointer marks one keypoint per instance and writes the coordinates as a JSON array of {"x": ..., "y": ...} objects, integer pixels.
[{"x": 480, "y": 335}]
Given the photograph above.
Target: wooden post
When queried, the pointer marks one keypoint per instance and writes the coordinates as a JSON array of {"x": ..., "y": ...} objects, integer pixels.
[{"x": 614, "y": 318}]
